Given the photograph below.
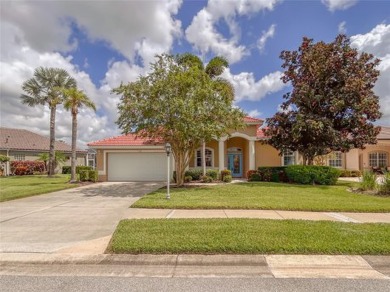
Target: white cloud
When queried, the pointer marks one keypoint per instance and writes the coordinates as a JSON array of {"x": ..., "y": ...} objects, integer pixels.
[
  {"x": 203, "y": 34},
  {"x": 254, "y": 113},
  {"x": 32, "y": 33},
  {"x": 377, "y": 42},
  {"x": 341, "y": 28},
  {"x": 334, "y": 5},
  {"x": 247, "y": 88},
  {"x": 265, "y": 36},
  {"x": 127, "y": 26}
]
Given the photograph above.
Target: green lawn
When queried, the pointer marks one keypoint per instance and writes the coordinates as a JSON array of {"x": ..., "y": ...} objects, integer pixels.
[
  {"x": 270, "y": 196},
  {"x": 248, "y": 236},
  {"x": 16, "y": 187}
]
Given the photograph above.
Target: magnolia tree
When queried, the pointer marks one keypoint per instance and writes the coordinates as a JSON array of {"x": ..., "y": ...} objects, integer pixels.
[
  {"x": 332, "y": 105},
  {"x": 179, "y": 102}
]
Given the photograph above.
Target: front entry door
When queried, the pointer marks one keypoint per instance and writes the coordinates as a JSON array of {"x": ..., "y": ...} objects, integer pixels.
[{"x": 235, "y": 164}]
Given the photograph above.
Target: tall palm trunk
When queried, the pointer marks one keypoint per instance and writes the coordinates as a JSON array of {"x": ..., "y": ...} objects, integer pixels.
[
  {"x": 52, "y": 141},
  {"x": 74, "y": 141}
]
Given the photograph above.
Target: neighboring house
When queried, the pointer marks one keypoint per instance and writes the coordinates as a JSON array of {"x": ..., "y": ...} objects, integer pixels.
[
  {"x": 128, "y": 158},
  {"x": 20, "y": 144}
]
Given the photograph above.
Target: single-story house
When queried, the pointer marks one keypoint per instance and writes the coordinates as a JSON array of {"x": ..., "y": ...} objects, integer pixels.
[
  {"x": 127, "y": 158},
  {"x": 20, "y": 144}
]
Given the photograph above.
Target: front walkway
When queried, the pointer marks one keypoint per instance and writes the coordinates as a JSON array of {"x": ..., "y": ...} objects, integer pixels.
[{"x": 260, "y": 214}]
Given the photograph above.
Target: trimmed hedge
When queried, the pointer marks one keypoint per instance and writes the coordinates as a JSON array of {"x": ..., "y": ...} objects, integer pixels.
[
  {"x": 213, "y": 173},
  {"x": 224, "y": 173},
  {"x": 67, "y": 169},
  {"x": 84, "y": 175},
  {"x": 93, "y": 175},
  {"x": 227, "y": 178},
  {"x": 312, "y": 174},
  {"x": 195, "y": 173}
]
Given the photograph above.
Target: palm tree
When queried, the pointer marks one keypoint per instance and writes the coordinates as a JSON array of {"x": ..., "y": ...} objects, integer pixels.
[
  {"x": 213, "y": 69},
  {"x": 73, "y": 100},
  {"x": 44, "y": 89}
]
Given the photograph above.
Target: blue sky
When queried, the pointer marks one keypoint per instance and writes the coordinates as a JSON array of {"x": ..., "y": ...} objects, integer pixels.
[{"x": 103, "y": 43}]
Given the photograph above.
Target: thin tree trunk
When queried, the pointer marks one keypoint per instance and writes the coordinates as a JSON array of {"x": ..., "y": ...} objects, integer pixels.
[
  {"x": 52, "y": 141},
  {"x": 74, "y": 144},
  {"x": 204, "y": 158}
]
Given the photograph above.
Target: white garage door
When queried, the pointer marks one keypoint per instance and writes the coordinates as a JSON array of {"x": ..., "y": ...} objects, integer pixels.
[{"x": 137, "y": 166}]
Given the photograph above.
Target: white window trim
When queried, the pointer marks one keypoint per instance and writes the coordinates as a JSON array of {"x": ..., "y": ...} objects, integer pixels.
[
  {"x": 17, "y": 156},
  {"x": 341, "y": 159},
  {"x": 196, "y": 156},
  {"x": 377, "y": 157},
  {"x": 294, "y": 154}
]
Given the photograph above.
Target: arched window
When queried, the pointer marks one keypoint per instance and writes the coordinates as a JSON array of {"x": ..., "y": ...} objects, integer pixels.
[
  {"x": 378, "y": 159},
  {"x": 209, "y": 157},
  {"x": 288, "y": 157}
]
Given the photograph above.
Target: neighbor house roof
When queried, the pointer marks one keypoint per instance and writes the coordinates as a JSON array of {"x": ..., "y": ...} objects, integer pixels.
[
  {"x": 125, "y": 140},
  {"x": 20, "y": 139},
  {"x": 384, "y": 134}
]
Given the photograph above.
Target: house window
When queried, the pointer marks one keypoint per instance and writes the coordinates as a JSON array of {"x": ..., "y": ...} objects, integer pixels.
[
  {"x": 208, "y": 157},
  {"x": 335, "y": 159},
  {"x": 288, "y": 157},
  {"x": 19, "y": 157},
  {"x": 378, "y": 159}
]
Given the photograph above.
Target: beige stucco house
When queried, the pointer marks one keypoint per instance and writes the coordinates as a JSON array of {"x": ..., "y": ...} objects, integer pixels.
[
  {"x": 126, "y": 157},
  {"x": 20, "y": 144}
]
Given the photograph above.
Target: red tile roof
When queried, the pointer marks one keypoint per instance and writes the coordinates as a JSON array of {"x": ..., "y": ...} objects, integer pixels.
[
  {"x": 125, "y": 140},
  {"x": 260, "y": 133},
  {"x": 20, "y": 139},
  {"x": 251, "y": 120}
]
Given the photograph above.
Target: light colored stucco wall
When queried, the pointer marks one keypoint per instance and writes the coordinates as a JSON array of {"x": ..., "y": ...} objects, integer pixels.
[
  {"x": 250, "y": 130},
  {"x": 351, "y": 159},
  {"x": 267, "y": 155}
]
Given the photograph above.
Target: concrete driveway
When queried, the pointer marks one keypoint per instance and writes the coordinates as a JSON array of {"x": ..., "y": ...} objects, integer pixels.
[{"x": 68, "y": 219}]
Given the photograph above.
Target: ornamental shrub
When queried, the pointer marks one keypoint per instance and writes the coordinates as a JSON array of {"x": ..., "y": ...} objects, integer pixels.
[
  {"x": 255, "y": 177},
  {"x": 66, "y": 169},
  {"x": 81, "y": 168},
  {"x": 356, "y": 173},
  {"x": 227, "y": 178},
  {"x": 187, "y": 179},
  {"x": 195, "y": 173},
  {"x": 212, "y": 173},
  {"x": 368, "y": 182},
  {"x": 26, "y": 167},
  {"x": 225, "y": 172},
  {"x": 93, "y": 175},
  {"x": 384, "y": 188},
  {"x": 274, "y": 173},
  {"x": 84, "y": 175},
  {"x": 312, "y": 174},
  {"x": 249, "y": 174},
  {"x": 206, "y": 179}
]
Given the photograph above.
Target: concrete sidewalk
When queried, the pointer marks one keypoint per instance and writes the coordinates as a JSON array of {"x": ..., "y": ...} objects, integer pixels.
[
  {"x": 260, "y": 214},
  {"x": 265, "y": 266}
]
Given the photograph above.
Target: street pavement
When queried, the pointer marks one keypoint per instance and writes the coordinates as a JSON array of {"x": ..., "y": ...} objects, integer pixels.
[{"x": 65, "y": 233}]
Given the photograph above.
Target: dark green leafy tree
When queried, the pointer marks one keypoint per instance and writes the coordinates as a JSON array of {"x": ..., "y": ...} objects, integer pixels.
[
  {"x": 45, "y": 89},
  {"x": 332, "y": 105},
  {"x": 179, "y": 102}
]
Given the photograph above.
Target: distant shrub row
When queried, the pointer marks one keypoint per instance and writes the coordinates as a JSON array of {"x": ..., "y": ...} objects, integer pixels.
[
  {"x": 301, "y": 174},
  {"x": 26, "y": 167}
]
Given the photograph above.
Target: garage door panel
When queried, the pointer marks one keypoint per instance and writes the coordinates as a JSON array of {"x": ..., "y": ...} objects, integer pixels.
[{"x": 137, "y": 166}]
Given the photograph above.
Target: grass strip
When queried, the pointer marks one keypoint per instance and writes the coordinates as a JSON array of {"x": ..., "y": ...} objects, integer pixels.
[
  {"x": 249, "y": 236},
  {"x": 16, "y": 187},
  {"x": 266, "y": 196}
]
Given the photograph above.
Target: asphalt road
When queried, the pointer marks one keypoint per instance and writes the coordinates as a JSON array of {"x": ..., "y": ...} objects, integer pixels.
[{"x": 42, "y": 284}]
